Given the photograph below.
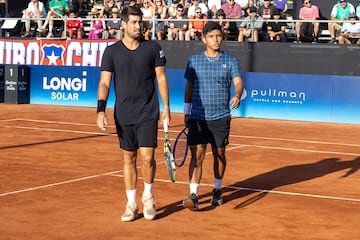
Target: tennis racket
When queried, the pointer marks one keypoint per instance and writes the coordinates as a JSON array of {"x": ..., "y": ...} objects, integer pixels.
[
  {"x": 169, "y": 158},
  {"x": 181, "y": 147}
]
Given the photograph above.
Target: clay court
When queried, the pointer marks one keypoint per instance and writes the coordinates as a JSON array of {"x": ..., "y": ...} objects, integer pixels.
[{"x": 61, "y": 178}]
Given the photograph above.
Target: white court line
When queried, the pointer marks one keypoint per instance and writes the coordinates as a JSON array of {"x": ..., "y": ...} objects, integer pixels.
[
  {"x": 297, "y": 140},
  {"x": 58, "y": 183},
  {"x": 258, "y": 190},
  {"x": 235, "y": 136},
  {"x": 231, "y": 144}
]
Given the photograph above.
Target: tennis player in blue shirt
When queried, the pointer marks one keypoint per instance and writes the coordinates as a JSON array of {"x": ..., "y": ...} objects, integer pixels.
[{"x": 209, "y": 76}]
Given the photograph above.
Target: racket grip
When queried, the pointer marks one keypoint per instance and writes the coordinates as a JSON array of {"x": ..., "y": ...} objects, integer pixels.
[{"x": 166, "y": 125}]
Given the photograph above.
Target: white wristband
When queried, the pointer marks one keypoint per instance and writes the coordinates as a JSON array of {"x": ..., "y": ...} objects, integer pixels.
[{"x": 187, "y": 108}]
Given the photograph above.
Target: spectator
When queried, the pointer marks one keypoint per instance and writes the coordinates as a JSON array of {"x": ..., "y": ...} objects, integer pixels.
[
  {"x": 74, "y": 27},
  {"x": 74, "y": 6},
  {"x": 251, "y": 26},
  {"x": 58, "y": 8},
  {"x": 244, "y": 4},
  {"x": 275, "y": 29},
  {"x": 177, "y": 29},
  {"x": 196, "y": 27},
  {"x": 213, "y": 6},
  {"x": 147, "y": 10},
  {"x": 172, "y": 8},
  {"x": 266, "y": 11},
  {"x": 340, "y": 11},
  {"x": 114, "y": 30},
  {"x": 195, "y": 4},
  {"x": 160, "y": 12},
  {"x": 106, "y": 8},
  {"x": 35, "y": 9},
  {"x": 119, "y": 4},
  {"x": 308, "y": 30},
  {"x": 350, "y": 31},
  {"x": 232, "y": 9},
  {"x": 223, "y": 22},
  {"x": 282, "y": 5},
  {"x": 97, "y": 26}
]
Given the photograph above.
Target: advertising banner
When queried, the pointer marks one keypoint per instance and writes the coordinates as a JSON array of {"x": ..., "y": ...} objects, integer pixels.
[{"x": 68, "y": 86}]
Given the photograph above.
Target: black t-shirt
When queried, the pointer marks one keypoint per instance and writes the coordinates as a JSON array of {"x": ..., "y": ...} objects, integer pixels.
[
  {"x": 276, "y": 26},
  {"x": 134, "y": 80}
]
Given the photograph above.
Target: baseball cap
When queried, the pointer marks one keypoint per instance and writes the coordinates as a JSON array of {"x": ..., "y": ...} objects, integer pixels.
[
  {"x": 219, "y": 12},
  {"x": 341, "y": 1},
  {"x": 253, "y": 9},
  {"x": 276, "y": 11}
]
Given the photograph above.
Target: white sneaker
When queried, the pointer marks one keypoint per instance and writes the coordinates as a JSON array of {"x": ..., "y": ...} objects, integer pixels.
[
  {"x": 149, "y": 207},
  {"x": 131, "y": 212}
]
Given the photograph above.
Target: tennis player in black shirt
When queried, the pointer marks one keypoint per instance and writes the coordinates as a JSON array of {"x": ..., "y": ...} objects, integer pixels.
[{"x": 135, "y": 64}]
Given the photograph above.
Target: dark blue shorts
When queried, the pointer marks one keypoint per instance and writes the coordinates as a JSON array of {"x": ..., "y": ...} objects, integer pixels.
[
  {"x": 215, "y": 132},
  {"x": 133, "y": 136}
]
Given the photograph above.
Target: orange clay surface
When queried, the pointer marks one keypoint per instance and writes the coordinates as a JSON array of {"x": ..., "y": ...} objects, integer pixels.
[{"x": 61, "y": 178}]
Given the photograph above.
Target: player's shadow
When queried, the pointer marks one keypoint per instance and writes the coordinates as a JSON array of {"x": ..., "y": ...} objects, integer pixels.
[{"x": 271, "y": 180}]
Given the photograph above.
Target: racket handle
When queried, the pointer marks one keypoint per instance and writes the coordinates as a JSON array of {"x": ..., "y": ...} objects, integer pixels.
[{"x": 166, "y": 125}]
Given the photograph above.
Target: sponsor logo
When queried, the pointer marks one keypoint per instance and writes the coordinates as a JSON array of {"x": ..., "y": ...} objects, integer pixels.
[
  {"x": 65, "y": 88},
  {"x": 277, "y": 96}
]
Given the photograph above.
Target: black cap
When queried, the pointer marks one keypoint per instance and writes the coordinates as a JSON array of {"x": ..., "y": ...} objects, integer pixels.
[
  {"x": 252, "y": 9},
  {"x": 276, "y": 12}
]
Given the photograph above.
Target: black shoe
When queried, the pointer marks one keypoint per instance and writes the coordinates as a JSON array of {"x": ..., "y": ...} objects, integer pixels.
[
  {"x": 216, "y": 199},
  {"x": 191, "y": 202},
  {"x": 315, "y": 40},
  {"x": 332, "y": 41}
]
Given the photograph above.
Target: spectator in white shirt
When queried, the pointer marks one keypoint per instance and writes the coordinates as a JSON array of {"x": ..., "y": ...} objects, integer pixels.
[{"x": 34, "y": 12}]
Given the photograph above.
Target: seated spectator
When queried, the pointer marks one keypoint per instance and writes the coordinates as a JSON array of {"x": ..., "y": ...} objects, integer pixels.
[
  {"x": 35, "y": 9},
  {"x": 213, "y": 6},
  {"x": 177, "y": 29},
  {"x": 97, "y": 25},
  {"x": 74, "y": 6},
  {"x": 308, "y": 30},
  {"x": 74, "y": 27},
  {"x": 105, "y": 11},
  {"x": 282, "y": 5},
  {"x": 244, "y": 5},
  {"x": 223, "y": 22},
  {"x": 160, "y": 12},
  {"x": 275, "y": 29},
  {"x": 251, "y": 26},
  {"x": 266, "y": 11},
  {"x": 340, "y": 11},
  {"x": 196, "y": 27},
  {"x": 350, "y": 31},
  {"x": 194, "y": 5},
  {"x": 58, "y": 9},
  {"x": 172, "y": 8},
  {"x": 114, "y": 30},
  {"x": 232, "y": 10},
  {"x": 148, "y": 10}
]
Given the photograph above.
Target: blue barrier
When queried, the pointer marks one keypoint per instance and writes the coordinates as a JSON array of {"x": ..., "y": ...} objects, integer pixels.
[{"x": 323, "y": 98}]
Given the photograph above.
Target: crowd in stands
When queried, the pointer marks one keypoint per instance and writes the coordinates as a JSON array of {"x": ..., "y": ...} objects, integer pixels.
[{"x": 242, "y": 20}]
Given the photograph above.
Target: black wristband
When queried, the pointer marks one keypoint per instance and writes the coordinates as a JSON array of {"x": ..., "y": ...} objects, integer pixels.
[{"x": 101, "y": 106}]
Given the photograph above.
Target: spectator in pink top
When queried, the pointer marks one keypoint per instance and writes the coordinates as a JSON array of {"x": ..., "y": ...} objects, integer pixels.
[
  {"x": 308, "y": 30},
  {"x": 232, "y": 9}
]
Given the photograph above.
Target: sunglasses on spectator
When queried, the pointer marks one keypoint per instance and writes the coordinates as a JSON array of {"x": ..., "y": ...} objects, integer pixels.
[
  {"x": 307, "y": 2},
  {"x": 180, "y": 10}
]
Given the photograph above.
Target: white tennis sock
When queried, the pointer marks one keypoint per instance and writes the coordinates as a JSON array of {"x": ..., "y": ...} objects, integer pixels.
[
  {"x": 131, "y": 195},
  {"x": 194, "y": 188},
  {"x": 217, "y": 183},
  {"x": 148, "y": 188}
]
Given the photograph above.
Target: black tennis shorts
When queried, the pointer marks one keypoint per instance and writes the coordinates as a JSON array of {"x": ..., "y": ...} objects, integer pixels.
[
  {"x": 214, "y": 132},
  {"x": 143, "y": 134}
]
